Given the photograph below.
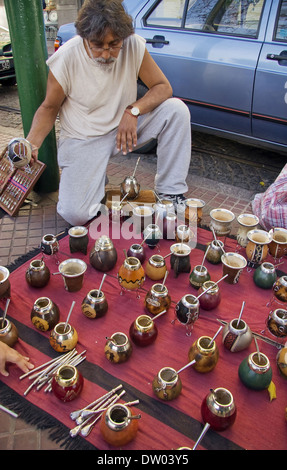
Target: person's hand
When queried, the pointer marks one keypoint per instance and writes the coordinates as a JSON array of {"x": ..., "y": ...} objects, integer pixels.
[
  {"x": 8, "y": 354},
  {"x": 127, "y": 133},
  {"x": 34, "y": 154}
]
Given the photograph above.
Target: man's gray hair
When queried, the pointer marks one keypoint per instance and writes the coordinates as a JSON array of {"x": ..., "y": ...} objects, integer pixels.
[{"x": 96, "y": 17}]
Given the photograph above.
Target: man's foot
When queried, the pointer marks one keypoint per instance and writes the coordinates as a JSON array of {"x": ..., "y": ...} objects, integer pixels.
[{"x": 175, "y": 198}]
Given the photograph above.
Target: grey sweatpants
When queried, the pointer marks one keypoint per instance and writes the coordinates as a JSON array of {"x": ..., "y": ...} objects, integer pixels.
[{"x": 84, "y": 162}]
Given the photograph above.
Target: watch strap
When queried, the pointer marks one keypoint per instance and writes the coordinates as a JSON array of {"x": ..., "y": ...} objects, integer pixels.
[
  {"x": 132, "y": 107},
  {"x": 128, "y": 112}
]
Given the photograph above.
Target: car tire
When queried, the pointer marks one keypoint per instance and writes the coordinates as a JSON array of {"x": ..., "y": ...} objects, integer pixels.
[
  {"x": 141, "y": 89},
  {"x": 11, "y": 81}
]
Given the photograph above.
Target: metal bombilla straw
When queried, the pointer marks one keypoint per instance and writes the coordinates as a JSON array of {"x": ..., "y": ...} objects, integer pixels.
[
  {"x": 46, "y": 374},
  {"x": 212, "y": 340},
  {"x": 74, "y": 415},
  {"x": 194, "y": 360},
  {"x": 201, "y": 266},
  {"x": 68, "y": 317},
  {"x": 88, "y": 413},
  {"x": 214, "y": 236},
  {"x": 157, "y": 196},
  {"x": 5, "y": 313},
  {"x": 216, "y": 241},
  {"x": 202, "y": 434},
  {"x": 10, "y": 412},
  {"x": 133, "y": 175},
  {"x": 146, "y": 237},
  {"x": 101, "y": 285},
  {"x": 123, "y": 198},
  {"x": 128, "y": 202},
  {"x": 61, "y": 233},
  {"x": 88, "y": 427},
  {"x": 120, "y": 203},
  {"x": 181, "y": 241},
  {"x": 45, "y": 365},
  {"x": 74, "y": 360},
  {"x": 241, "y": 311},
  {"x": 102, "y": 404},
  {"x": 164, "y": 279},
  {"x": 157, "y": 316},
  {"x": 210, "y": 287},
  {"x": 186, "y": 366},
  {"x": 257, "y": 349}
]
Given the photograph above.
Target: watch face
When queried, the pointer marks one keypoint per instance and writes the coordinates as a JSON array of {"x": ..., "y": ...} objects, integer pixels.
[{"x": 135, "y": 111}]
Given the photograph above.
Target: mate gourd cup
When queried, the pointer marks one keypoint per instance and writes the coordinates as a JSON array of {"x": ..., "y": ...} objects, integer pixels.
[
  {"x": 278, "y": 244},
  {"x": 73, "y": 271},
  {"x": 78, "y": 239},
  {"x": 233, "y": 265},
  {"x": 4, "y": 282},
  {"x": 221, "y": 221}
]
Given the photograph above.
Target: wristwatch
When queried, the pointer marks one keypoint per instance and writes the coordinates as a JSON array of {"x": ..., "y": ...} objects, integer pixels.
[{"x": 134, "y": 110}]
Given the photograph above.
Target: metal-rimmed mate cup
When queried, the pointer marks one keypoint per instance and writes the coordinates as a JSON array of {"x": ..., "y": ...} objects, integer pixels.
[
  {"x": 246, "y": 222},
  {"x": 193, "y": 210},
  {"x": 221, "y": 221},
  {"x": 73, "y": 271},
  {"x": 4, "y": 282},
  {"x": 278, "y": 245},
  {"x": 232, "y": 264}
]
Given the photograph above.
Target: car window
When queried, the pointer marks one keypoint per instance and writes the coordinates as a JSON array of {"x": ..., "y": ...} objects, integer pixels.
[
  {"x": 236, "y": 17},
  {"x": 281, "y": 29},
  {"x": 167, "y": 13},
  {"x": 4, "y": 35}
]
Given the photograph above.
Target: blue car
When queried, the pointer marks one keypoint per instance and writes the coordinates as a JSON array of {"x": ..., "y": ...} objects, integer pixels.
[{"x": 227, "y": 60}]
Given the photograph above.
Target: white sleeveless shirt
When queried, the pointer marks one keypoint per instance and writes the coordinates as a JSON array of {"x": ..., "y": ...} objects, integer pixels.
[{"x": 95, "y": 98}]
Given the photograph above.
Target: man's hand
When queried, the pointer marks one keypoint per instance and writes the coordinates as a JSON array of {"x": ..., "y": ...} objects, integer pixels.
[
  {"x": 127, "y": 133},
  {"x": 35, "y": 151},
  {"x": 8, "y": 354}
]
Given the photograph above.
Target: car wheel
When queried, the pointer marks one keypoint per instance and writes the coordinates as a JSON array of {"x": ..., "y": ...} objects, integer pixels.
[
  {"x": 142, "y": 89},
  {"x": 9, "y": 81}
]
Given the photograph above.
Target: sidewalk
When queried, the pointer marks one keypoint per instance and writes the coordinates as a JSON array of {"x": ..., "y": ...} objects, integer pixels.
[{"x": 23, "y": 233}]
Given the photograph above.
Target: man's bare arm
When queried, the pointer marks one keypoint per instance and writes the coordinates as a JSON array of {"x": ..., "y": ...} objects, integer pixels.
[{"x": 46, "y": 114}]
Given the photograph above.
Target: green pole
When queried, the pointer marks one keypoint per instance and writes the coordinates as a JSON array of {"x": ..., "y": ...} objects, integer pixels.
[{"x": 27, "y": 31}]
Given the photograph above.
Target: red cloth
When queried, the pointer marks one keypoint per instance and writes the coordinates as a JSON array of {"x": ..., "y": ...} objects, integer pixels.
[{"x": 260, "y": 424}]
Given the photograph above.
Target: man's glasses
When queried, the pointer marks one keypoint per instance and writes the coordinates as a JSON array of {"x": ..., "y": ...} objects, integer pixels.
[{"x": 100, "y": 50}]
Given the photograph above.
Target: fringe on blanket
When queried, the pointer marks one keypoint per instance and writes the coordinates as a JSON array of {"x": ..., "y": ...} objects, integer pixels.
[
  {"x": 34, "y": 416},
  {"x": 31, "y": 254}
]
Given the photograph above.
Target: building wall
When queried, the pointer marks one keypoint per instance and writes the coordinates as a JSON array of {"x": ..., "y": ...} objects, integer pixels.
[
  {"x": 3, "y": 17},
  {"x": 67, "y": 10}
]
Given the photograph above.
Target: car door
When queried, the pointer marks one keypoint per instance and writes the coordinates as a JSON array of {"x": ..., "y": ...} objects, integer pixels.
[
  {"x": 209, "y": 50},
  {"x": 269, "y": 113}
]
